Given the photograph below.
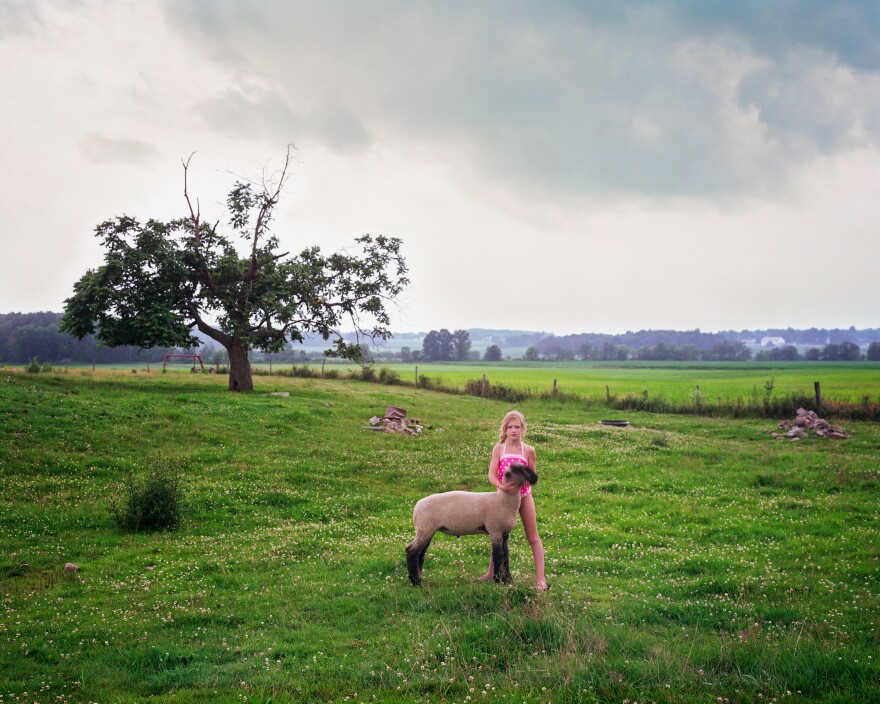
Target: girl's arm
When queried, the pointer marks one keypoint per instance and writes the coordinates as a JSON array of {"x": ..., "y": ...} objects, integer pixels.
[{"x": 530, "y": 456}]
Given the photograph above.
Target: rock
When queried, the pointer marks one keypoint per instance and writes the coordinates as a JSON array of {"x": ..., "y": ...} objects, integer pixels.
[
  {"x": 808, "y": 422},
  {"x": 395, "y": 421},
  {"x": 71, "y": 567},
  {"x": 282, "y": 394}
]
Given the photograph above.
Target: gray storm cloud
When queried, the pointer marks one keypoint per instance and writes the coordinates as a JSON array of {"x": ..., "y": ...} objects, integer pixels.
[{"x": 659, "y": 99}]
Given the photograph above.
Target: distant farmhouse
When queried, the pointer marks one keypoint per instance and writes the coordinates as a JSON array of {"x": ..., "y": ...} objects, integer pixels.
[{"x": 772, "y": 341}]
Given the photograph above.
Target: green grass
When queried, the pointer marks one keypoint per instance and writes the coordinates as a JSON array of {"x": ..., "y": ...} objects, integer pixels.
[
  {"x": 674, "y": 381},
  {"x": 691, "y": 558}
]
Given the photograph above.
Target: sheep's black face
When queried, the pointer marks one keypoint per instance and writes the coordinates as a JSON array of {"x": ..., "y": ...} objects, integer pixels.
[{"x": 522, "y": 474}]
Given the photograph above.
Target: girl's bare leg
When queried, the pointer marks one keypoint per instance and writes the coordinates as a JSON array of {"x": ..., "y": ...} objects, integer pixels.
[
  {"x": 490, "y": 575},
  {"x": 530, "y": 524}
]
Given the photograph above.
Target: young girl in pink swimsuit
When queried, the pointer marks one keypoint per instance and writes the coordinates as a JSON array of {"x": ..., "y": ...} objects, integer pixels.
[{"x": 509, "y": 450}]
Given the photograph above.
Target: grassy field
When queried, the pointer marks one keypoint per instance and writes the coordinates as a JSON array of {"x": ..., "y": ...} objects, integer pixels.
[
  {"x": 720, "y": 383},
  {"x": 674, "y": 381},
  {"x": 691, "y": 559}
]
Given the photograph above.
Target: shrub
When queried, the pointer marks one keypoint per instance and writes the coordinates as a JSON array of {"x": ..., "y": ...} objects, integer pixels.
[
  {"x": 481, "y": 387},
  {"x": 33, "y": 367},
  {"x": 659, "y": 441},
  {"x": 368, "y": 373},
  {"x": 45, "y": 367},
  {"x": 151, "y": 504},
  {"x": 388, "y": 376}
]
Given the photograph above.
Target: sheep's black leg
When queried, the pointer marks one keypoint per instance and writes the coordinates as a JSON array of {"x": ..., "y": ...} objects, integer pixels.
[
  {"x": 498, "y": 558},
  {"x": 415, "y": 558},
  {"x": 505, "y": 568},
  {"x": 412, "y": 563}
]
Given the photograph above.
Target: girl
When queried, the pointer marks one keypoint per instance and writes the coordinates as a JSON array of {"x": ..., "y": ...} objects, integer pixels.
[{"x": 511, "y": 449}]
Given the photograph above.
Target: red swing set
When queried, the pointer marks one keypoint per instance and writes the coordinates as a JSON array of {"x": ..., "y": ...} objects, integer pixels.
[{"x": 193, "y": 357}]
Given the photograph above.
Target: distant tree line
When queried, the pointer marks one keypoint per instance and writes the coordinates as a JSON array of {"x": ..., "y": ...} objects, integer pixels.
[
  {"x": 814, "y": 337},
  {"x": 703, "y": 341},
  {"x": 24, "y": 336},
  {"x": 724, "y": 351},
  {"x": 444, "y": 346},
  {"x": 721, "y": 351}
]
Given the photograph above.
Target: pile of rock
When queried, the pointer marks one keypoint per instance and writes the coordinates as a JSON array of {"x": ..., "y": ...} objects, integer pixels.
[
  {"x": 395, "y": 421},
  {"x": 807, "y": 422}
]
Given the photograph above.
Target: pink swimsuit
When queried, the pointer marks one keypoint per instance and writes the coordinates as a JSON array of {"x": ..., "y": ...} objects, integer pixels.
[{"x": 508, "y": 459}]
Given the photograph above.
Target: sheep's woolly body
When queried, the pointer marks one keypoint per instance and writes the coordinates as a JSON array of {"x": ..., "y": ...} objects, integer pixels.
[{"x": 469, "y": 513}]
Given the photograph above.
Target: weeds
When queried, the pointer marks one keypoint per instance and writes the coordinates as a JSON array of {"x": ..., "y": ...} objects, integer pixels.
[{"x": 151, "y": 504}]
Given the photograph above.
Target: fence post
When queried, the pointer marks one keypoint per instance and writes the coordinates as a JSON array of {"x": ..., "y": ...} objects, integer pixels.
[
  {"x": 607, "y": 393},
  {"x": 417, "y": 376},
  {"x": 554, "y": 387},
  {"x": 818, "y": 395},
  {"x": 697, "y": 396},
  {"x": 483, "y": 385},
  {"x": 148, "y": 367}
]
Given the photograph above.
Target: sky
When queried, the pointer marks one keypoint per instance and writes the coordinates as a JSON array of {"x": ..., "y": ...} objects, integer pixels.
[{"x": 558, "y": 166}]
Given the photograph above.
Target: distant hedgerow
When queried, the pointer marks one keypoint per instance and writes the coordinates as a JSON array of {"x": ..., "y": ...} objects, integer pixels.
[{"x": 153, "y": 503}]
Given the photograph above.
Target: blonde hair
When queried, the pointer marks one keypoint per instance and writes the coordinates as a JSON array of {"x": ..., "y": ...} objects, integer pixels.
[{"x": 509, "y": 416}]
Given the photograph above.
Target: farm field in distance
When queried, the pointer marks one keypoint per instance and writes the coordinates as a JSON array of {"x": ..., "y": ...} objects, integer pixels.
[
  {"x": 675, "y": 381},
  {"x": 850, "y": 382},
  {"x": 691, "y": 559}
]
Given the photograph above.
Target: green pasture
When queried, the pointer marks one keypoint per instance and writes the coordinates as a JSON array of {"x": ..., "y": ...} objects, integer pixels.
[
  {"x": 674, "y": 381},
  {"x": 691, "y": 559},
  {"x": 849, "y": 382}
]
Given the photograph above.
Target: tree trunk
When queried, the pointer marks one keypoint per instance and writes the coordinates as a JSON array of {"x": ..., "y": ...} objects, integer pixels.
[{"x": 240, "y": 378}]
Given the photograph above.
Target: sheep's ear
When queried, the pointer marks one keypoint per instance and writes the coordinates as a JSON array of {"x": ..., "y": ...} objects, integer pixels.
[{"x": 533, "y": 477}]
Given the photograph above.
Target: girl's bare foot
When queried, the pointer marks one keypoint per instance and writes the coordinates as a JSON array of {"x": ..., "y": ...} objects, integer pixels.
[
  {"x": 542, "y": 586},
  {"x": 488, "y": 577}
]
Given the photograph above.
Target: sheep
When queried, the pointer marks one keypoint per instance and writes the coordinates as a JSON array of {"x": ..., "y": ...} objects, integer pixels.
[{"x": 469, "y": 513}]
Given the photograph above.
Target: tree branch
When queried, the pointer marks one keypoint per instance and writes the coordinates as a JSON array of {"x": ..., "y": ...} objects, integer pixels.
[
  {"x": 213, "y": 333},
  {"x": 269, "y": 202},
  {"x": 195, "y": 218}
]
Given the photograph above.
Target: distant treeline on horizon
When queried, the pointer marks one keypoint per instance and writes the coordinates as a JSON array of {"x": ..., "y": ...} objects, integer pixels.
[{"x": 24, "y": 336}]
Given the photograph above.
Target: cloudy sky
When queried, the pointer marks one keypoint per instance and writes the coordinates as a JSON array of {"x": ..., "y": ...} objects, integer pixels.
[{"x": 559, "y": 166}]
